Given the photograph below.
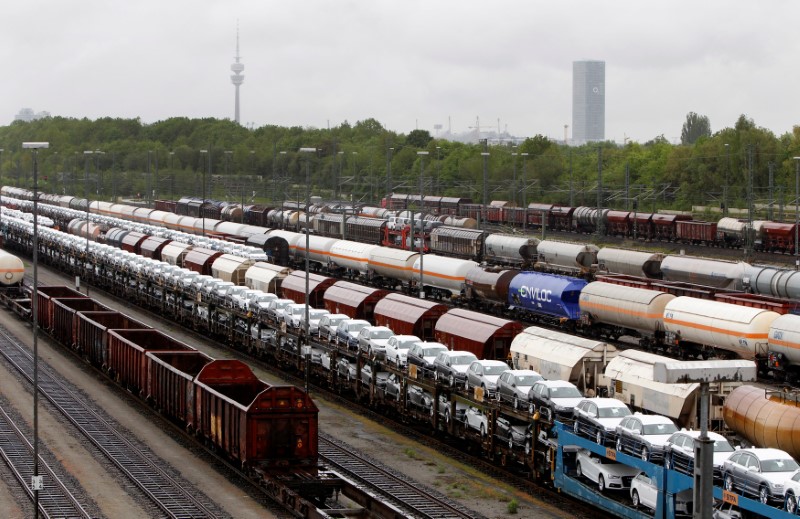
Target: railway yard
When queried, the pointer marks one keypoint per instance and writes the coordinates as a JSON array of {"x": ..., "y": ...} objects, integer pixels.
[
  {"x": 109, "y": 494},
  {"x": 200, "y": 324}
]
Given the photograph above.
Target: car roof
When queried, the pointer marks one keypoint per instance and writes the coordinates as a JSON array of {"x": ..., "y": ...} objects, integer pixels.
[
  {"x": 767, "y": 453},
  {"x": 696, "y": 434},
  {"x": 485, "y": 362},
  {"x": 455, "y": 353},
  {"x": 605, "y": 402},
  {"x": 517, "y": 372},
  {"x": 406, "y": 337}
]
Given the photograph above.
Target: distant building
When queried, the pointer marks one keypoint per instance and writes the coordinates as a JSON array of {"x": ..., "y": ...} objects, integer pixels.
[
  {"x": 588, "y": 101},
  {"x": 27, "y": 115}
]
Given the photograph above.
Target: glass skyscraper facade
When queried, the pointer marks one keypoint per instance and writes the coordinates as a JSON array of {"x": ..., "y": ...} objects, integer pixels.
[{"x": 588, "y": 101}]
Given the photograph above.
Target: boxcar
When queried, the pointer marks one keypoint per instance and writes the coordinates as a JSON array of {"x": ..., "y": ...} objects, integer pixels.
[
  {"x": 294, "y": 288},
  {"x": 152, "y": 247},
  {"x": 200, "y": 260},
  {"x": 357, "y": 301},
  {"x": 268, "y": 427},
  {"x": 696, "y": 232},
  {"x": 486, "y": 336},
  {"x": 127, "y": 350},
  {"x": 266, "y": 277},
  {"x": 229, "y": 267},
  {"x": 407, "y": 315}
]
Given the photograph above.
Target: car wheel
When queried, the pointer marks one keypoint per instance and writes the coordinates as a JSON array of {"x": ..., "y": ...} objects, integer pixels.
[
  {"x": 483, "y": 431},
  {"x": 645, "y": 454},
  {"x": 447, "y": 416},
  {"x": 578, "y": 470},
  {"x": 436, "y": 376},
  {"x": 668, "y": 461},
  {"x": 528, "y": 448},
  {"x": 619, "y": 445},
  {"x": 510, "y": 443},
  {"x": 575, "y": 428},
  {"x": 466, "y": 385},
  {"x": 598, "y": 437},
  {"x": 516, "y": 403},
  {"x": 635, "y": 499},
  {"x": 791, "y": 503},
  {"x": 452, "y": 381},
  {"x": 763, "y": 495},
  {"x": 728, "y": 483},
  {"x": 601, "y": 483},
  {"x": 531, "y": 408}
]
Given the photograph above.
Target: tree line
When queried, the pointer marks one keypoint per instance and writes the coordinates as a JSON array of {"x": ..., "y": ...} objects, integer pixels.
[{"x": 364, "y": 161}]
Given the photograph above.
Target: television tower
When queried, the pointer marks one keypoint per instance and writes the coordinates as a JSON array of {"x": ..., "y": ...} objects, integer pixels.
[{"x": 237, "y": 78}]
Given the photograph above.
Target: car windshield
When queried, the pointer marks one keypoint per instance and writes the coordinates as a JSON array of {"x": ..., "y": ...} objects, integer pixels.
[
  {"x": 660, "y": 428},
  {"x": 356, "y": 327},
  {"x": 264, "y": 298},
  {"x": 527, "y": 380},
  {"x": 783, "y": 465},
  {"x": 334, "y": 321},
  {"x": 431, "y": 352},
  {"x": 317, "y": 314},
  {"x": 380, "y": 334},
  {"x": 565, "y": 392},
  {"x": 494, "y": 370},
  {"x": 723, "y": 446},
  {"x": 463, "y": 359},
  {"x": 613, "y": 412}
]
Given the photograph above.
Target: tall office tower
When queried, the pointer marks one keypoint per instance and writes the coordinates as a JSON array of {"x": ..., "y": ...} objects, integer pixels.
[
  {"x": 237, "y": 78},
  {"x": 588, "y": 101}
]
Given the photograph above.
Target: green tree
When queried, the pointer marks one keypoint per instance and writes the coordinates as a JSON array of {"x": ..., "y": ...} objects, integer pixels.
[
  {"x": 419, "y": 138},
  {"x": 696, "y": 126}
]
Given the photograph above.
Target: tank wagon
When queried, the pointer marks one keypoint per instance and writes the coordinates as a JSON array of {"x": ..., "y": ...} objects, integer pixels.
[
  {"x": 630, "y": 262},
  {"x": 764, "y": 418},
  {"x": 699, "y": 271},
  {"x": 559, "y": 256},
  {"x": 616, "y": 310},
  {"x": 510, "y": 249},
  {"x": 12, "y": 270},
  {"x": 547, "y": 297}
]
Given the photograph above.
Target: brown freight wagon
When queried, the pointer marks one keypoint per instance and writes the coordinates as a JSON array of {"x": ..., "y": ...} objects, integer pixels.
[
  {"x": 127, "y": 350},
  {"x": 170, "y": 381},
  {"x": 486, "y": 336},
  {"x": 132, "y": 242},
  {"x": 255, "y": 423},
  {"x": 294, "y": 288},
  {"x": 44, "y": 301},
  {"x": 356, "y": 301},
  {"x": 152, "y": 246},
  {"x": 92, "y": 333},
  {"x": 65, "y": 317},
  {"x": 200, "y": 260},
  {"x": 407, "y": 315}
]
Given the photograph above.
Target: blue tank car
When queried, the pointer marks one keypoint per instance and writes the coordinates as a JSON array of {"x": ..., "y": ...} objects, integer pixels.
[{"x": 541, "y": 295}]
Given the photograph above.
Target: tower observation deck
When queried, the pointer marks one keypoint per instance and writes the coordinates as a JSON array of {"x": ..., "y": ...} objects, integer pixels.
[{"x": 237, "y": 78}]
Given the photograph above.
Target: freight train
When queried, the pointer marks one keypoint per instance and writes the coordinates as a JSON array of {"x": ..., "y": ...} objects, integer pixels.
[
  {"x": 536, "y": 296},
  {"x": 522, "y": 438}
]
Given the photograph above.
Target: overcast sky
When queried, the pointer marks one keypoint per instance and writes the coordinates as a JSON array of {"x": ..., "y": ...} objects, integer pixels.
[{"x": 409, "y": 64}]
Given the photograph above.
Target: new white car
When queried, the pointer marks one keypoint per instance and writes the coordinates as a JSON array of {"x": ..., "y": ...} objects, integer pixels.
[
  {"x": 397, "y": 349},
  {"x": 276, "y": 309},
  {"x": 372, "y": 340},
  {"x": 484, "y": 374},
  {"x": 679, "y": 452},
  {"x": 605, "y": 473},
  {"x": 644, "y": 435},
  {"x": 476, "y": 420},
  {"x": 597, "y": 418},
  {"x": 645, "y": 493},
  {"x": 328, "y": 324},
  {"x": 792, "y": 492}
]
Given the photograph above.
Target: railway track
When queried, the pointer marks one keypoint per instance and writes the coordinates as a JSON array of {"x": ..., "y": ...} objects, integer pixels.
[
  {"x": 56, "y": 499},
  {"x": 141, "y": 467},
  {"x": 418, "y": 502}
]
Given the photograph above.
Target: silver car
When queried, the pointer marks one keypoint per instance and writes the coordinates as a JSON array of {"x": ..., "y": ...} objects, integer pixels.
[
  {"x": 761, "y": 473},
  {"x": 484, "y": 374},
  {"x": 513, "y": 385}
]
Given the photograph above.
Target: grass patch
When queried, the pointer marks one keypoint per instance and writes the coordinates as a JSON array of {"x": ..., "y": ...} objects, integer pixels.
[{"x": 513, "y": 506}]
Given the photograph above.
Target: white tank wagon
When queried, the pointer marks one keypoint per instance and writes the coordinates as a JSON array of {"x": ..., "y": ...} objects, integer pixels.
[
  {"x": 739, "y": 330},
  {"x": 351, "y": 255},
  {"x": 231, "y": 268},
  {"x": 566, "y": 257},
  {"x": 731, "y": 232},
  {"x": 200, "y": 223},
  {"x": 12, "y": 269},
  {"x": 266, "y": 277},
  {"x": 624, "y": 310},
  {"x": 699, "y": 271},
  {"x": 784, "y": 348},
  {"x": 82, "y": 229},
  {"x": 510, "y": 249},
  {"x": 464, "y": 223},
  {"x": 230, "y": 228},
  {"x": 630, "y": 262},
  {"x": 392, "y": 264},
  {"x": 773, "y": 281},
  {"x": 442, "y": 275},
  {"x": 319, "y": 248},
  {"x": 630, "y": 378},
  {"x": 142, "y": 214},
  {"x": 560, "y": 356}
]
